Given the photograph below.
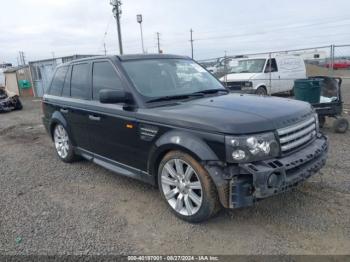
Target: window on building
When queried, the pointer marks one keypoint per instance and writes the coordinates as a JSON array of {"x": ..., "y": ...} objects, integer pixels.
[
  {"x": 79, "y": 82},
  {"x": 104, "y": 76},
  {"x": 36, "y": 73}
]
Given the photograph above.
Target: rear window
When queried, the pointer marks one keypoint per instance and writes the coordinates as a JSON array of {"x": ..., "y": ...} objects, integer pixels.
[
  {"x": 66, "y": 86},
  {"x": 104, "y": 77},
  {"x": 80, "y": 87},
  {"x": 58, "y": 81}
]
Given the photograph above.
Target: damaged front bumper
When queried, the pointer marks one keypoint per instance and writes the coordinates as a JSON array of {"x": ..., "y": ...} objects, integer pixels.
[{"x": 242, "y": 185}]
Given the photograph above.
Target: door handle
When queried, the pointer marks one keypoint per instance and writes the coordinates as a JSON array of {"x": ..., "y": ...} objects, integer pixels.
[
  {"x": 94, "y": 118},
  {"x": 64, "y": 111}
]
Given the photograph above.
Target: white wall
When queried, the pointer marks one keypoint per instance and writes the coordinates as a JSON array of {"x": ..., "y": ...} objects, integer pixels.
[{"x": 2, "y": 78}]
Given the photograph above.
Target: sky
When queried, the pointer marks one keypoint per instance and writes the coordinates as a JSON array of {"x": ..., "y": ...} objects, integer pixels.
[{"x": 46, "y": 28}]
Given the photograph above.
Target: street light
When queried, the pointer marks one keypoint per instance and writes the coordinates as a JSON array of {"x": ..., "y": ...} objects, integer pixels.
[{"x": 139, "y": 20}]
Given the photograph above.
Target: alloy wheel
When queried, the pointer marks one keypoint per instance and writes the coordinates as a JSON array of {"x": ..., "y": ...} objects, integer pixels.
[
  {"x": 181, "y": 187},
  {"x": 61, "y": 141}
]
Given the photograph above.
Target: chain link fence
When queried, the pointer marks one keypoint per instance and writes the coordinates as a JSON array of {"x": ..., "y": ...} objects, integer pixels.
[
  {"x": 341, "y": 61},
  {"x": 275, "y": 72}
]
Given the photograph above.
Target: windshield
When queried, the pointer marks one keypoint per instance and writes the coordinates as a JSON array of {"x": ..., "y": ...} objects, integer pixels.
[
  {"x": 154, "y": 78},
  {"x": 247, "y": 66}
]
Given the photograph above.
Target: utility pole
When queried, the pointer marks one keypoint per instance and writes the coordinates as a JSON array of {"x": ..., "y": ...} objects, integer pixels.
[
  {"x": 191, "y": 40},
  {"x": 117, "y": 12},
  {"x": 104, "y": 42},
  {"x": 158, "y": 43}
]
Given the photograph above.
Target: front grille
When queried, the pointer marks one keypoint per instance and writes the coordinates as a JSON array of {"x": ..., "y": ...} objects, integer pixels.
[
  {"x": 237, "y": 85},
  {"x": 295, "y": 136}
]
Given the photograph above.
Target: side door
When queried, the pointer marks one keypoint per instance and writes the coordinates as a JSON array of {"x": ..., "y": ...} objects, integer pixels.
[
  {"x": 77, "y": 105},
  {"x": 272, "y": 76},
  {"x": 113, "y": 128},
  {"x": 290, "y": 68}
]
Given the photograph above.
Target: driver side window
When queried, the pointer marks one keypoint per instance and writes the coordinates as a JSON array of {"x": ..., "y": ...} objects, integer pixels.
[
  {"x": 271, "y": 64},
  {"x": 104, "y": 77}
]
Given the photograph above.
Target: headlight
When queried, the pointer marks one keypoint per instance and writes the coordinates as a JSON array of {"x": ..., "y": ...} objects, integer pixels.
[
  {"x": 247, "y": 85},
  {"x": 251, "y": 148}
]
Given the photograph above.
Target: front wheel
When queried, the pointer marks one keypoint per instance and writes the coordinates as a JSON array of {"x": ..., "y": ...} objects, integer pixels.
[
  {"x": 261, "y": 91},
  {"x": 187, "y": 187}
]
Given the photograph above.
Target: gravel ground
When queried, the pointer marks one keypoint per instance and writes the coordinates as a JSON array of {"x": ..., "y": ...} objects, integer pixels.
[{"x": 49, "y": 207}]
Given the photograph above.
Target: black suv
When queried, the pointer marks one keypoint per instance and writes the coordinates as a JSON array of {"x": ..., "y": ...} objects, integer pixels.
[{"x": 165, "y": 120}]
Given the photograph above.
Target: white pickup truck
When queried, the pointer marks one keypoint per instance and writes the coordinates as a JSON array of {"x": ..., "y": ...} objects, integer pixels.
[{"x": 264, "y": 74}]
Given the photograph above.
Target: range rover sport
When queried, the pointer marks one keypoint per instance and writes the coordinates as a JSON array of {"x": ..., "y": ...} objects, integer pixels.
[{"x": 165, "y": 120}]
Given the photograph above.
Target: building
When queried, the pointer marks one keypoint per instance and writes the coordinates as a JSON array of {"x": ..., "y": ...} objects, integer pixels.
[
  {"x": 3, "y": 67},
  {"x": 18, "y": 81},
  {"x": 42, "y": 71}
]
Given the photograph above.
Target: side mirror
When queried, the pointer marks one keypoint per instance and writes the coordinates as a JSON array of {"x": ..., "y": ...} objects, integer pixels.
[{"x": 108, "y": 96}]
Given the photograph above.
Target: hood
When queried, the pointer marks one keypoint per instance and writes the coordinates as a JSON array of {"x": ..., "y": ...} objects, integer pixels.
[
  {"x": 231, "y": 114},
  {"x": 238, "y": 76}
]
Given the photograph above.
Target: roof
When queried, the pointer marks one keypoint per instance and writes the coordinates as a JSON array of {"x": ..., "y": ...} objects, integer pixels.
[
  {"x": 128, "y": 57},
  {"x": 14, "y": 69},
  {"x": 149, "y": 56}
]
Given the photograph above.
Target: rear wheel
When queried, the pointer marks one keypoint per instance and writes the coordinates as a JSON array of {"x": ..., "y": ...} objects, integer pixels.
[
  {"x": 261, "y": 91},
  {"x": 63, "y": 144},
  {"x": 18, "y": 104},
  {"x": 291, "y": 92},
  {"x": 187, "y": 187}
]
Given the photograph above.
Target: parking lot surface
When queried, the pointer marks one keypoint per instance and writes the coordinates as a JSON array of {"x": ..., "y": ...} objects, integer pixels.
[{"x": 49, "y": 207}]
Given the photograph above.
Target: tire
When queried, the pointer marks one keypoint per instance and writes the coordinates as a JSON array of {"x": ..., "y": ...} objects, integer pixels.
[
  {"x": 18, "y": 104},
  {"x": 321, "y": 121},
  {"x": 340, "y": 125},
  {"x": 291, "y": 92},
  {"x": 187, "y": 188},
  {"x": 63, "y": 145},
  {"x": 261, "y": 91}
]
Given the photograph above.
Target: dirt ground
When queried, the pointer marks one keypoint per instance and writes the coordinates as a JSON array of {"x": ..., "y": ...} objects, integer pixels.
[{"x": 49, "y": 207}]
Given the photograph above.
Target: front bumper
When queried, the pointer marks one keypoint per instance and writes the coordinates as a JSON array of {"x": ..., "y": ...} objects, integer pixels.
[{"x": 262, "y": 179}]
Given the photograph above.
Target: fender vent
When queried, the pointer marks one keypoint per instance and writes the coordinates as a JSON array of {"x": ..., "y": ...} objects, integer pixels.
[{"x": 148, "y": 132}]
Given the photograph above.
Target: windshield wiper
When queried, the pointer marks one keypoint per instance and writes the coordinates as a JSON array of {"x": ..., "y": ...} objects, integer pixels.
[
  {"x": 211, "y": 91},
  {"x": 175, "y": 97},
  {"x": 186, "y": 96}
]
